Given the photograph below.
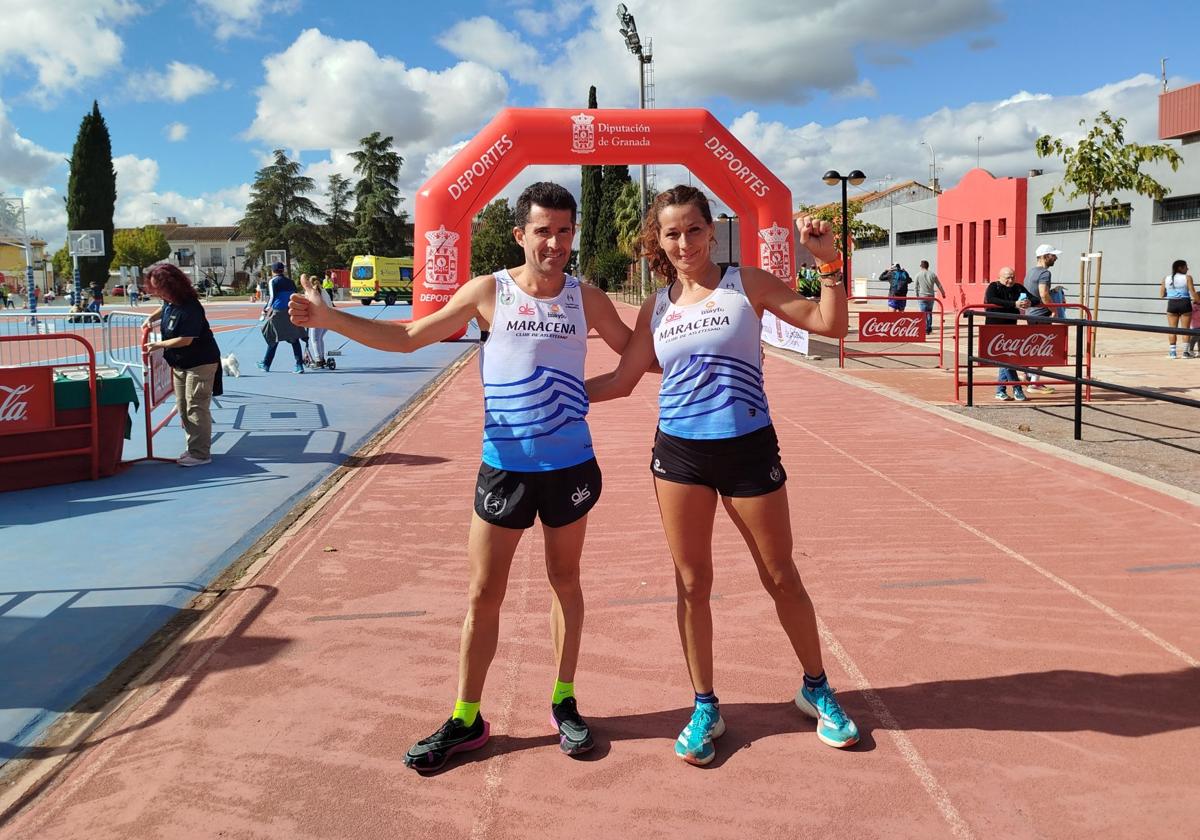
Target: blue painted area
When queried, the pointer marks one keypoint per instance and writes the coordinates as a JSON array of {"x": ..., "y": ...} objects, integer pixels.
[{"x": 90, "y": 570}]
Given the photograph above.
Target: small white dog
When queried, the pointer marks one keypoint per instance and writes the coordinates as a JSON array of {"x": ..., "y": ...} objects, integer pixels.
[{"x": 229, "y": 366}]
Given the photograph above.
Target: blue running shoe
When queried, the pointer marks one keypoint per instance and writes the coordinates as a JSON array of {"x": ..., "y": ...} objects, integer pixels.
[
  {"x": 695, "y": 743},
  {"x": 833, "y": 727}
]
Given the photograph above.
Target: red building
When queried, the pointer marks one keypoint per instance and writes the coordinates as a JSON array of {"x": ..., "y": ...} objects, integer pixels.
[{"x": 981, "y": 227}]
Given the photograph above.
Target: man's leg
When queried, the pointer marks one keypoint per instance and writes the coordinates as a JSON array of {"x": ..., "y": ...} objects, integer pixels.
[{"x": 564, "y": 547}]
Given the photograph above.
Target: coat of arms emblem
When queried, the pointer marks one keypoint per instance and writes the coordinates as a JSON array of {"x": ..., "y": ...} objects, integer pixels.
[
  {"x": 441, "y": 259},
  {"x": 583, "y": 134},
  {"x": 775, "y": 252}
]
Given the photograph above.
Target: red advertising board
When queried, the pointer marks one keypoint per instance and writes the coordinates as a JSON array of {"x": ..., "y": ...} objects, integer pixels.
[
  {"x": 26, "y": 399},
  {"x": 891, "y": 327},
  {"x": 1028, "y": 345},
  {"x": 161, "y": 383}
]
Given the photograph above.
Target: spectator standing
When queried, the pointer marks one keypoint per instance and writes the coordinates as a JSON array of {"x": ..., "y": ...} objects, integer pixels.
[
  {"x": 1007, "y": 295},
  {"x": 277, "y": 327},
  {"x": 927, "y": 281},
  {"x": 191, "y": 350},
  {"x": 1180, "y": 290},
  {"x": 1037, "y": 286},
  {"x": 8, "y": 304},
  {"x": 898, "y": 281}
]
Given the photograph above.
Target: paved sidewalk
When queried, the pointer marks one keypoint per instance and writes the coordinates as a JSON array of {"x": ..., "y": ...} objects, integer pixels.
[{"x": 1003, "y": 669}]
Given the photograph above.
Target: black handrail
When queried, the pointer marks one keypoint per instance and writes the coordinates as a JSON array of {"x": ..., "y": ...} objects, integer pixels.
[{"x": 1080, "y": 324}]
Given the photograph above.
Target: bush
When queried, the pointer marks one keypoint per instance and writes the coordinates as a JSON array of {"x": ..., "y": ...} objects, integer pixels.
[
  {"x": 610, "y": 268},
  {"x": 809, "y": 287}
]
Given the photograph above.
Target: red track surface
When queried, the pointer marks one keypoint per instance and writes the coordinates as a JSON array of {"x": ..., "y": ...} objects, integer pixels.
[{"x": 1011, "y": 676}]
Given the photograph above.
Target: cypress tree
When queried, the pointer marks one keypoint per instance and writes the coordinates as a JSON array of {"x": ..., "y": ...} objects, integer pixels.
[
  {"x": 92, "y": 193},
  {"x": 589, "y": 210},
  {"x": 612, "y": 181}
]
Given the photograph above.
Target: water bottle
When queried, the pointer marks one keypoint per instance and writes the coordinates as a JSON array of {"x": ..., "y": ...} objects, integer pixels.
[{"x": 1022, "y": 297}]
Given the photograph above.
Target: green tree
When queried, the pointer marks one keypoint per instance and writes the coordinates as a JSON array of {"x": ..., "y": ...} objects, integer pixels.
[
  {"x": 379, "y": 228},
  {"x": 832, "y": 213},
  {"x": 1102, "y": 164},
  {"x": 493, "y": 245},
  {"x": 279, "y": 214},
  {"x": 589, "y": 206},
  {"x": 612, "y": 181},
  {"x": 92, "y": 193},
  {"x": 610, "y": 269},
  {"x": 627, "y": 219},
  {"x": 140, "y": 246},
  {"x": 62, "y": 264},
  {"x": 335, "y": 233}
]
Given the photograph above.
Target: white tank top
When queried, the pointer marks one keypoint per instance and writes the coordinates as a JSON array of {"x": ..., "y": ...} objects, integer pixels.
[
  {"x": 1176, "y": 285},
  {"x": 710, "y": 353},
  {"x": 534, "y": 402}
]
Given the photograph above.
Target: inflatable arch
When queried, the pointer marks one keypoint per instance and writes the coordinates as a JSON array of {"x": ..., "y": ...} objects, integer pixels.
[{"x": 518, "y": 137}]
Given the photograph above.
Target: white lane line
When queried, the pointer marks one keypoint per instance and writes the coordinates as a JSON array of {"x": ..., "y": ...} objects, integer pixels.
[
  {"x": 1046, "y": 573},
  {"x": 1080, "y": 479},
  {"x": 904, "y": 744},
  {"x": 485, "y": 815}
]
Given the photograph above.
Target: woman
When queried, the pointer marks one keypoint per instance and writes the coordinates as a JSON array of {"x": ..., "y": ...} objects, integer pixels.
[
  {"x": 1179, "y": 290},
  {"x": 1005, "y": 294},
  {"x": 277, "y": 326},
  {"x": 715, "y": 438},
  {"x": 191, "y": 350},
  {"x": 318, "y": 333}
]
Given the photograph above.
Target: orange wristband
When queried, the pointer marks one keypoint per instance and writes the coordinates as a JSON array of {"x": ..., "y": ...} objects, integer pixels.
[{"x": 830, "y": 267}]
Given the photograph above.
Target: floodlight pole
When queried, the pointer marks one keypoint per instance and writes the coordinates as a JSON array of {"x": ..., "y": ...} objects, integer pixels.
[{"x": 628, "y": 30}]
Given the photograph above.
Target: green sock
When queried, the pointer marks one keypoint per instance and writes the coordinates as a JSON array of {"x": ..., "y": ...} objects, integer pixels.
[
  {"x": 466, "y": 712},
  {"x": 562, "y": 691}
]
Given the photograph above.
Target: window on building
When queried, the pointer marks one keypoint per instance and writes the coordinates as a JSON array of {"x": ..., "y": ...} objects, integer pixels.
[
  {"x": 879, "y": 241},
  {"x": 215, "y": 257},
  {"x": 1078, "y": 220},
  {"x": 987, "y": 249},
  {"x": 971, "y": 276},
  {"x": 240, "y": 251},
  {"x": 945, "y": 233},
  {"x": 1002, "y": 227},
  {"x": 1179, "y": 209},
  {"x": 916, "y": 237}
]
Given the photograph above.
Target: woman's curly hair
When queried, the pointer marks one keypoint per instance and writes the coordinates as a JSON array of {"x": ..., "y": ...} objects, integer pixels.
[
  {"x": 678, "y": 196},
  {"x": 166, "y": 277}
]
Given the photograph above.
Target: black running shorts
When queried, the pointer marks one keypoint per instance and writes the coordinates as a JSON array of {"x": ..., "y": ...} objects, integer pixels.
[
  {"x": 1179, "y": 306},
  {"x": 747, "y": 465},
  {"x": 559, "y": 497}
]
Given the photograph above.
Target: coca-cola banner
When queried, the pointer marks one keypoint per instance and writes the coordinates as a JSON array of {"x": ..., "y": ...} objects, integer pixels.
[
  {"x": 1028, "y": 345},
  {"x": 891, "y": 326},
  {"x": 161, "y": 383},
  {"x": 26, "y": 399}
]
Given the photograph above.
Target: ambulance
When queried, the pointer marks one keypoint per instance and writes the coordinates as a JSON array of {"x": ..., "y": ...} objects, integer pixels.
[{"x": 388, "y": 279}]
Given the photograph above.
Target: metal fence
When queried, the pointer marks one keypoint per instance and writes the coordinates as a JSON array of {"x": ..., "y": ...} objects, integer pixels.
[{"x": 117, "y": 337}]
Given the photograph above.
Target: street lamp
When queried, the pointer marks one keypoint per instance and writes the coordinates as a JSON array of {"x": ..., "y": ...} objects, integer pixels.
[
  {"x": 932, "y": 167},
  {"x": 633, "y": 42},
  {"x": 832, "y": 178},
  {"x": 728, "y": 220}
]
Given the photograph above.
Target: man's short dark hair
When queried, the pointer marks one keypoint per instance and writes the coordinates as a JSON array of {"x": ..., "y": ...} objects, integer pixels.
[
  {"x": 924, "y": 263},
  {"x": 548, "y": 196}
]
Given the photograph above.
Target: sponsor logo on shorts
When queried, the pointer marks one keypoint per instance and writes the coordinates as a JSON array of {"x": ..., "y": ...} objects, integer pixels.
[
  {"x": 581, "y": 495},
  {"x": 494, "y": 504},
  {"x": 658, "y": 467},
  {"x": 776, "y": 473}
]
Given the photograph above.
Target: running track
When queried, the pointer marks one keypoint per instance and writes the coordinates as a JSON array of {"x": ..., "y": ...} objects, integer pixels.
[{"x": 1015, "y": 675}]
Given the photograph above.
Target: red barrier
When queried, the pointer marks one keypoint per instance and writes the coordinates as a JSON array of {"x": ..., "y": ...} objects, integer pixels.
[
  {"x": 895, "y": 327},
  {"x": 157, "y": 385},
  {"x": 27, "y": 407},
  {"x": 1027, "y": 345},
  {"x": 447, "y": 203}
]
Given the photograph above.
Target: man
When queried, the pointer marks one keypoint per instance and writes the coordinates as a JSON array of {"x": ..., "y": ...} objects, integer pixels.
[
  {"x": 1037, "y": 285},
  {"x": 926, "y": 282},
  {"x": 537, "y": 450},
  {"x": 328, "y": 286},
  {"x": 1007, "y": 295},
  {"x": 898, "y": 281}
]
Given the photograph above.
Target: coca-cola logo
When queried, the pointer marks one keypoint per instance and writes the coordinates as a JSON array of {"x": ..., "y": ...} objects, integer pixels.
[
  {"x": 883, "y": 327},
  {"x": 1022, "y": 344},
  {"x": 13, "y": 409},
  {"x": 1034, "y": 346}
]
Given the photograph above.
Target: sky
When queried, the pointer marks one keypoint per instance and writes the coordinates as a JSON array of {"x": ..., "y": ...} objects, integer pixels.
[{"x": 197, "y": 94}]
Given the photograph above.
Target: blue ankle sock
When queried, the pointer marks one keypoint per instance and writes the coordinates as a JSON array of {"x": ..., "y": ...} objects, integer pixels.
[
  {"x": 708, "y": 697},
  {"x": 813, "y": 683}
]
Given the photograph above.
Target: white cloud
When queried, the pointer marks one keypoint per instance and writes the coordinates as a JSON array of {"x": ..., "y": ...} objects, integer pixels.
[
  {"x": 891, "y": 144},
  {"x": 795, "y": 49},
  {"x": 65, "y": 42},
  {"x": 176, "y": 132},
  {"x": 241, "y": 18},
  {"x": 178, "y": 83},
  {"x": 135, "y": 174},
  {"x": 327, "y": 93},
  {"x": 553, "y": 18},
  {"x": 23, "y": 163}
]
